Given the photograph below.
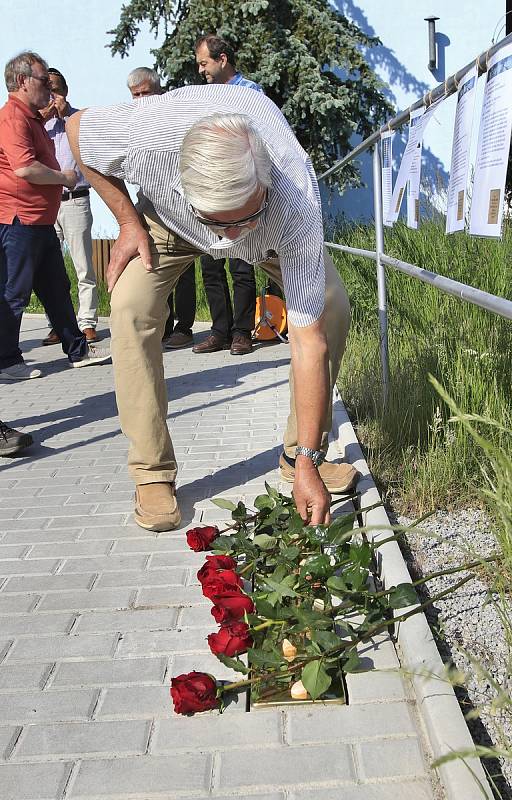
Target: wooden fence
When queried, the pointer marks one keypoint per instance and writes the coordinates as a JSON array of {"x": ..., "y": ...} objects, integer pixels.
[{"x": 101, "y": 256}]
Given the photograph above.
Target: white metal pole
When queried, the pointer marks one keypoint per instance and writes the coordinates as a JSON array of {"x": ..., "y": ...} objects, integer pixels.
[{"x": 381, "y": 275}]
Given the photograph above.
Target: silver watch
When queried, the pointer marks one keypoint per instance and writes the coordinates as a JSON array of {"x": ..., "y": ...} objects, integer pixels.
[{"x": 316, "y": 456}]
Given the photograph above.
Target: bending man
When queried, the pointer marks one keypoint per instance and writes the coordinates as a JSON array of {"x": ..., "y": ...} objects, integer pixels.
[{"x": 180, "y": 148}]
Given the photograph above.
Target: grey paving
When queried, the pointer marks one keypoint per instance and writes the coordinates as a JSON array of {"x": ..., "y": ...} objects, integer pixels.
[{"x": 96, "y": 615}]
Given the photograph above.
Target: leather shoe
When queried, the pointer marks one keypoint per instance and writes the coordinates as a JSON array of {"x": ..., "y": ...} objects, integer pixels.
[
  {"x": 212, "y": 344},
  {"x": 178, "y": 339},
  {"x": 52, "y": 338},
  {"x": 241, "y": 346},
  {"x": 90, "y": 334},
  {"x": 156, "y": 507}
]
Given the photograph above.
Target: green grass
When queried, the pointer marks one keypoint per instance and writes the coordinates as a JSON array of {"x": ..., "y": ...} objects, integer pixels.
[
  {"x": 202, "y": 310},
  {"x": 422, "y": 461}
]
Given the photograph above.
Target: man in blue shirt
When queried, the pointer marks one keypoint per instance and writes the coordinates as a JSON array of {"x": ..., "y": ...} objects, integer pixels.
[{"x": 231, "y": 326}]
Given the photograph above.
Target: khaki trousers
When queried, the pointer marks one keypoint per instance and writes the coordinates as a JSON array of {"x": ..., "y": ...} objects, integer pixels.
[{"x": 138, "y": 315}]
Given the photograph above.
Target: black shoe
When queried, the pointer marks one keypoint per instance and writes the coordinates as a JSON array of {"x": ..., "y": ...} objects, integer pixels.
[{"x": 11, "y": 441}]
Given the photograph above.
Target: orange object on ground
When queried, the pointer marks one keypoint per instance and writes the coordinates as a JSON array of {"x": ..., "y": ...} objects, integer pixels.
[{"x": 271, "y": 318}]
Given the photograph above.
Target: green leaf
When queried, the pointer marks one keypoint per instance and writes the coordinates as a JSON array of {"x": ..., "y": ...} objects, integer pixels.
[
  {"x": 261, "y": 658},
  {"x": 326, "y": 639},
  {"x": 263, "y": 501},
  {"x": 222, "y": 544},
  {"x": 402, "y": 596},
  {"x": 315, "y": 679},
  {"x": 317, "y": 566},
  {"x": 240, "y": 512},
  {"x": 352, "y": 663},
  {"x": 290, "y": 552},
  {"x": 221, "y": 503},
  {"x": 264, "y": 541},
  {"x": 272, "y": 492},
  {"x": 233, "y": 663},
  {"x": 279, "y": 588},
  {"x": 336, "y": 584},
  {"x": 316, "y": 534}
]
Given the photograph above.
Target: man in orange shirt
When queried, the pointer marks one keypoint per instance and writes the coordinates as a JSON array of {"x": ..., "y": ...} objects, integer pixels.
[{"x": 31, "y": 184}]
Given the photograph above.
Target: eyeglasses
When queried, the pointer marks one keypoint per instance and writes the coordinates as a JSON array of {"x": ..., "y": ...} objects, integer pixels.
[
  {"x": 239, "y": 223},
  {"x": 45, "y": 81}
]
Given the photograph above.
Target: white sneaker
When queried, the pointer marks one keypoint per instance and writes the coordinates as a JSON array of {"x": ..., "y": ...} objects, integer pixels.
[
  {"x": 20, "y": 372},
  {"x": 94, "y": 355}
]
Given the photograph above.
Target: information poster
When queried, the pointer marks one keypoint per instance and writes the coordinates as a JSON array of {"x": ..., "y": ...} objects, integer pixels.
[
  {"x": 413, "y": 184},
  {"x": 419, "y": 121},
  {"x": 493, "y": 147},
  {"x": 457, "y": 186},
  {"x": 387, "y": 172}
]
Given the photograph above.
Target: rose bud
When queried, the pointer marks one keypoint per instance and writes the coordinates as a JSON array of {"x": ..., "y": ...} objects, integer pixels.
[
  {"x": 298, "y": 691},
  {"x": 318, "y": 604},
  {"x": 194, "y": 691},
  {"x": 289, "y": 650},
  {"x": 214, "y": 564},
  {"x": 231, "y": 605},
  {"x": 224, "y": 580},
  {"x": 232, "y": 639},
  {"x": 199, "y": 539}
]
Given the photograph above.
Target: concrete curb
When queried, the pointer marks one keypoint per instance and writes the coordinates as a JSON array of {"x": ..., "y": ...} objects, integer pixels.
[{"x": 439, "y": 709}]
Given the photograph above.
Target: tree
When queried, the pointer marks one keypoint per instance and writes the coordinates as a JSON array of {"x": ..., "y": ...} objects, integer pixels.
[{"x": 307, "y": 56}]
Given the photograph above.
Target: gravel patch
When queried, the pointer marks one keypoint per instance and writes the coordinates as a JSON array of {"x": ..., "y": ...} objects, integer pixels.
[{"x": 466, "y": 623}]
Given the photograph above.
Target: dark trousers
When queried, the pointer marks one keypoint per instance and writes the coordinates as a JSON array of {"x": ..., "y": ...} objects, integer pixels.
[
  {"x": 31, "y": 259},
  {"x": 227, "y": 320},
  {"x": 184, "y": 305}
]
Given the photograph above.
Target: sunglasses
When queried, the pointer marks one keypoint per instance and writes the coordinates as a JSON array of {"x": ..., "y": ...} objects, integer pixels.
[
  {"x": 239, "y": 223},
  {"x": 45, "y": 81}
]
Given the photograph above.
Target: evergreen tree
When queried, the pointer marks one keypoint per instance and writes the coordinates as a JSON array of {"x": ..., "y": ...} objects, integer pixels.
[{"x": 308, "y": 58}]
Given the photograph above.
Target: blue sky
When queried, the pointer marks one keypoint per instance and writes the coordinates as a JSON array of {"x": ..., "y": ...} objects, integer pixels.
[{"x": 71, "y": 36}]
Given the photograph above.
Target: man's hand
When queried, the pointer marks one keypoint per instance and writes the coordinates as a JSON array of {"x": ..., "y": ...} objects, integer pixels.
[
  {"x": 312, "y": 499},
  {"x": 133, "y": 241},
  {"x": 61, "y": 105},
  {"x": 70, "y": 179}
]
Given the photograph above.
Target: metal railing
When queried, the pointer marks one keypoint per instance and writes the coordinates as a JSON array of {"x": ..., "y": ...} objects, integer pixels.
[{"x": 470, "y": 294}]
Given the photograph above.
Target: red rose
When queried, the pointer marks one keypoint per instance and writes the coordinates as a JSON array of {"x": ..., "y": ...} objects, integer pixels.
[
  {"x": 199, "y": 539},
  {"x": 232, "y": 639},
  {"x": 225, "y": 580},
  {"x": 214, "y": 564},
  {"x": 231, "y": 605},
  {"x": 195, "y": 691}
]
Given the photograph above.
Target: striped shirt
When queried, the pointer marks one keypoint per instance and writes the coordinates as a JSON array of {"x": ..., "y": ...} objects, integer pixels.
[{"x": 140, "y": 142}]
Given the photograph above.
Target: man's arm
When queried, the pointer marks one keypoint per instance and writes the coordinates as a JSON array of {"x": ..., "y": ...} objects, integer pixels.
[
  {"x": 133, "y": 238},
  {"x": 42, "y": 175},
  {"x": 310, "y": 365}
]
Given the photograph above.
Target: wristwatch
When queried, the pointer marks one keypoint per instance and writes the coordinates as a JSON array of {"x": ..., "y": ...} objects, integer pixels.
[{"x": 316, "y": 456}]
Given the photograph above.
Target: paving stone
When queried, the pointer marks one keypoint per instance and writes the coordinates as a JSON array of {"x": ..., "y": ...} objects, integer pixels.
[
  {"x": 22, "y": 676},
  {"x": 82, "y": 522},
  {"x": 8, "y": 734},
  {"x": 111, "y": 672},
  {"x": 17, "y": 605},
  {"x": 55, "y": 648},
  {"x": 391, "y": 758},
  {"x": 169, "y": 641},
  {"x": 69, "y": 512},
  {"x": 38, "y": 707},
  {"x": 34, "y": 624},
  {"x": 172, "y": 576},
  {"x": 405, "y": 790},
  {"x": 179, "y": 596},
  {"x": 287, "y": 767},
  {"x": 33, "y": 781},
  {"x": 69, "y": 549},
  {"x": 214, "y": 732},
  {"x": 146, "y": 702},
  {"x": 50, "y": 583},
  {"x": 109, "y": 563},
  {"x": 143, "y": 775},
  {"x": 123, "y": 621},
  {"x": 353, "y": 722},
  {"x": 43, "y": 566},
  {"x": 378, "y": 686},
  {"x": 40, "y": 537},
  {"x": 81, "y": 601},
  {"x": 83, "y": 739}
]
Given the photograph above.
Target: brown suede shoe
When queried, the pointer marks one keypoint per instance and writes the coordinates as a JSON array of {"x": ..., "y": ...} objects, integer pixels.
[
  {"x": 90, "y": 335},
  {"x": 338, "y": 478},
  {"x": 242, "y": 345},
  {"x": 52, "y": 338},
  {"x": 212, "y": 344},
  {"x": 156, "y": 507}
]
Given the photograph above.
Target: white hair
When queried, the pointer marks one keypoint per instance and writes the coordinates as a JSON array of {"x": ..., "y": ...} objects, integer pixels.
[
  {"x": 141, "y": 74},
  {"x": 223, "y": 161}
]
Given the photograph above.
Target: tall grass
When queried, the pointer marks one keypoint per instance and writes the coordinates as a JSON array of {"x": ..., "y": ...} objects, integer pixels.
[{"x": 419, "y": 459}]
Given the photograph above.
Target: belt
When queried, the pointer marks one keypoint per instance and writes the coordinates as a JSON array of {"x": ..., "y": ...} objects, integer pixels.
[{"x": 76, "y": 193}]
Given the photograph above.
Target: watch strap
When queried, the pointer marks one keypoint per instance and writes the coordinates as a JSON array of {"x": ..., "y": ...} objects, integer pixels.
[{"x": 316, "y": 456}]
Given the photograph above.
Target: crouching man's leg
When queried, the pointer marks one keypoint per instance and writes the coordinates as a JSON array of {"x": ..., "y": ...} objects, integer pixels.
[
  {"x": 338, "y": 478},
  {"x": 138, "y": 315}
]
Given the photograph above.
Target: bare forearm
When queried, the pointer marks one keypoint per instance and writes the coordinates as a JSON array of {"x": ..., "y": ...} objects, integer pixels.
[
  {"x": 40, "y": 174},
  {"x": 311, "y": 379}
]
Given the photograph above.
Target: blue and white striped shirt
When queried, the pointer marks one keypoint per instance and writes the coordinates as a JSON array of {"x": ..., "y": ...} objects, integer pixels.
[
  {"x": 140, "y": 142},
  {"x": 239, "y": 80}
]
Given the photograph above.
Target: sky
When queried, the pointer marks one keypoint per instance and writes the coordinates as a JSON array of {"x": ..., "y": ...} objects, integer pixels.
[{"x": 71, "y": 36}]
